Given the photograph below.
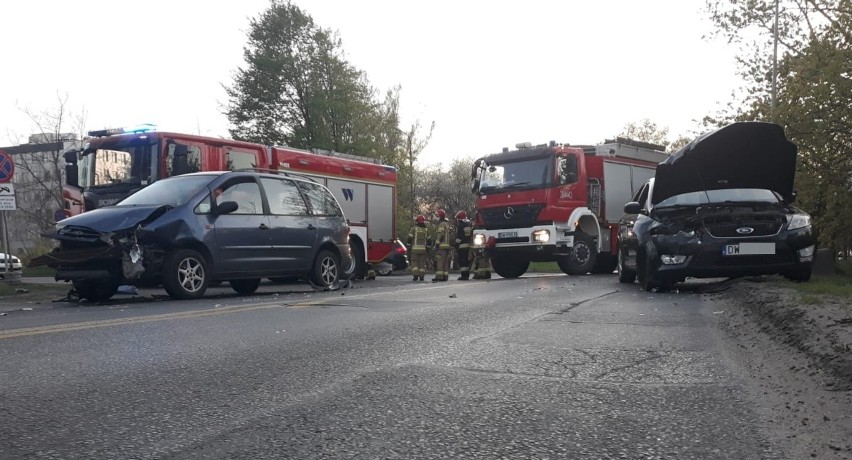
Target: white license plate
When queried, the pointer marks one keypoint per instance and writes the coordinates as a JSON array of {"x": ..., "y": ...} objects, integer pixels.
[
  {"x": 748, "y": 249},
  {"x": 507, "y": 235}
]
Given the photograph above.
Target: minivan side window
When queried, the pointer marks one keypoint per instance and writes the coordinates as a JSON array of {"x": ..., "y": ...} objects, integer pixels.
[
  {"x": 321, "y": 200},
  {"x": 283, "y": 197},
  {"x": 246, "y": 194}
]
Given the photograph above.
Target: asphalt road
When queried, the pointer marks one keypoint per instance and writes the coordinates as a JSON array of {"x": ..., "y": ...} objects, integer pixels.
[{"x": 537, "y": 367}]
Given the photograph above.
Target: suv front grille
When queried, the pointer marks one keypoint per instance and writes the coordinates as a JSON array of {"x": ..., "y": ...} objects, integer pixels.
[{"x": 726, "y": 226}]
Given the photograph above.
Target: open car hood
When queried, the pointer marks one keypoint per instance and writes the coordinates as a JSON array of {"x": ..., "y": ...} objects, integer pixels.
[
  {"x": 740, "y": 155},
  {"x": 115, "y": 218}
]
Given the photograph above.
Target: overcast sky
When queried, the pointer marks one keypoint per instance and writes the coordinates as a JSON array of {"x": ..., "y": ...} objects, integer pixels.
[{"x": 490, "y": 74}]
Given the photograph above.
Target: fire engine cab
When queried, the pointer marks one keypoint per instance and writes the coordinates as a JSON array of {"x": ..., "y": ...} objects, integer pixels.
[
  {"x": 558, "y": 202},
  {"x": 115, "y": 163}
]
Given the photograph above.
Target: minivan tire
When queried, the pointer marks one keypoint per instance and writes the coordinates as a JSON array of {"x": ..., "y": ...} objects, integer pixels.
[
  {"x": 185, "y": 274},
  {"x": 326, "y": 269}
]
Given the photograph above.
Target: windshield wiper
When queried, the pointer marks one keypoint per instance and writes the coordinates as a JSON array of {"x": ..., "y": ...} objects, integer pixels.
[{"x": 518, "y": 184}]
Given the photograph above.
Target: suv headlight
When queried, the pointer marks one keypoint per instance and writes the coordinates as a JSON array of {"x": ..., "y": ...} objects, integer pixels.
[{"x": 799, "y": 221}]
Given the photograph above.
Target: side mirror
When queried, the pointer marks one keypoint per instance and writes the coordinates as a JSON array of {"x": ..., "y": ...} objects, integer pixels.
[
  {"x": 475, "y": 186},
  {"x": 632, "y": 208},
  {"x": 226, "y": 207},
  {"x": 793, "y": 197},
  {"x": 70, "y": 156}
]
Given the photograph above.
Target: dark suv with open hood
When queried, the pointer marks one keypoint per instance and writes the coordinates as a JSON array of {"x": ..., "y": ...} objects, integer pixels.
[
  {"x": 719, "y": 207},
  {"x": 187, "y": 231}
]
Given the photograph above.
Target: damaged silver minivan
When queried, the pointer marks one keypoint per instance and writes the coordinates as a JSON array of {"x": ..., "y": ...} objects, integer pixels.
[
  {"x": 187, "y": 231},
  {"x": 719, "y": 207}
]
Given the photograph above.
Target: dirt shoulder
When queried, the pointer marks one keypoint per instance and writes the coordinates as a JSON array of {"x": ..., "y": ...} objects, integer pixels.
[
  {"x": 800, "y": 356},
  {"x": 16, "y": 296}
]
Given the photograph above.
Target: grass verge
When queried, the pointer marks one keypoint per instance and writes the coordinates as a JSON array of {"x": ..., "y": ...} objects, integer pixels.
[
  {"x": 20, "y": 294},
  {"x": 544, "y": 267}
]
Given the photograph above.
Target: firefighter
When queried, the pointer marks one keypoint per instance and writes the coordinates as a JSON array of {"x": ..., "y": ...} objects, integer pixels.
[
  {"x": 482, "y": 260},
  {"x": 443, "y": 238},
  {"x": 464, "y": 233},
  {"x": 418, "y": 239}
]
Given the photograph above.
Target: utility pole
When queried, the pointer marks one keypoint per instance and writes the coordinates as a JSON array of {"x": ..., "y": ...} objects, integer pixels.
[{"x": 774, "y": 67}]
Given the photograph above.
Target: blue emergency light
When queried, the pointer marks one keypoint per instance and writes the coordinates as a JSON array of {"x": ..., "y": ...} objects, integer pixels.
[{"x": 136, "y": 129}]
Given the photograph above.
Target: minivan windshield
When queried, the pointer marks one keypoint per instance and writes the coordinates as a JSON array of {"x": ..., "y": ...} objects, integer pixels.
[
  {"x": 732, "y": 195},
  {"x": 174, "y": 191}
]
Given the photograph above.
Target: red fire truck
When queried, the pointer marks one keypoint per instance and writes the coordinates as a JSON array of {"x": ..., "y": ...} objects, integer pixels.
[
  {"x": 558, "y": 203},
  {"x": 115, "y": 163}
]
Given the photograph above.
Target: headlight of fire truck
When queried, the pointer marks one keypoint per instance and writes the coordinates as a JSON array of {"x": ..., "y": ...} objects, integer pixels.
[
  {"x": 541, "y": 236},
  {"x": 478, "y": 239}
]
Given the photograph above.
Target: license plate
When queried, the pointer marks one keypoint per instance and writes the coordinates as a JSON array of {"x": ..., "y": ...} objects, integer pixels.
[
  {"x": 507, "y": 235},
  {"x": 748, "y": 249}
]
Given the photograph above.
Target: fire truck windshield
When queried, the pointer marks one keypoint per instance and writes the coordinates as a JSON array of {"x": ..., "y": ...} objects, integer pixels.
[
  {"x": 126, "y": 163},
  {"x": 526, "y": 174}
]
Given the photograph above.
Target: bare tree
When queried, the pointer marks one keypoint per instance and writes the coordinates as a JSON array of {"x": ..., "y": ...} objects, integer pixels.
[
  {"x": 413, "y": 143},
  {"x": 40, "y": 169}
]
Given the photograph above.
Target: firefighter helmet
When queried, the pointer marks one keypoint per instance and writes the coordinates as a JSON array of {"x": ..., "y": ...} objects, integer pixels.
[
  {"x": 461, "y": 215},
  {"x": 441, "y": 214},
  {"x": 421, "y": 219}
]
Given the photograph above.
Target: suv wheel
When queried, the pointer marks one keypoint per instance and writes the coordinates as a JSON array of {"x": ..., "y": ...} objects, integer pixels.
[
  {"x": 625, "y": 275},
  {"x": 326, "y": 269},
  {"x": 185, "y": 274}
]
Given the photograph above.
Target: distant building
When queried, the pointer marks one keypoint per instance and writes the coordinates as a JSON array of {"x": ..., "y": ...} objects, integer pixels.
[{"x": 39, "y": 175}]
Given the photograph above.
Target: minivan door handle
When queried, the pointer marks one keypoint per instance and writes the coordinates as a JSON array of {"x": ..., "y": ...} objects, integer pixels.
[{"x": 263, "y": 227}]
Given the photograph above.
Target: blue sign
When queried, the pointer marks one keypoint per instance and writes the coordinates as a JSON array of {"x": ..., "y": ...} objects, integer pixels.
[{"x": 7, "y": 167}]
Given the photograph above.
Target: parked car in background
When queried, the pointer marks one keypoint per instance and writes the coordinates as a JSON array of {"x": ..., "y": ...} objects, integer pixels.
[
  {"x": 396, "y": 260},
  {"x": 719, "y": 207},
  {"x": 185, "y": 232},
  {"x": 14, "y": 263}
]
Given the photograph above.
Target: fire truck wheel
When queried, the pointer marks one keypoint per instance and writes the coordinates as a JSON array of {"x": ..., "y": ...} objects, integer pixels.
[
  {"x": 360, "y": 269},
  {"x": 509, "y": 268},
  {"x": 185, "y": 274},
  {"x": 95, "y": 291},
  {"x": 245, "y": 286},
  {"x": 582, "y": 257},
  {"x": 326, "y": 269}
]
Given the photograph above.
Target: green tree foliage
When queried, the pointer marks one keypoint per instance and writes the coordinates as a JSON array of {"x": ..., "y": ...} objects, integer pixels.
[
  {"x": 446, "y": 188},
  {"x": 814, "y": 94},
  {"x": 298, "y": 89},
  {"x": 648, "y": 131}
]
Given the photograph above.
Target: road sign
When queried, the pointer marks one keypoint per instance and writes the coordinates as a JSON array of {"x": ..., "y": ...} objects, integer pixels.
[
  {"x": 7, "y": 167},
  {"x": 7, "y": 197}
]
